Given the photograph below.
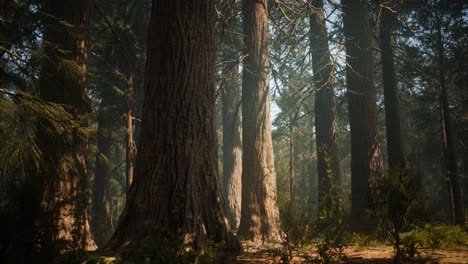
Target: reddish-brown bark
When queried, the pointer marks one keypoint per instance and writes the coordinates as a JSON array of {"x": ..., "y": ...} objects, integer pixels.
[
  {"x": 259, "y": 212},
  {"x": 64, "y": 220},
  {"x": 175, "y": 189}
]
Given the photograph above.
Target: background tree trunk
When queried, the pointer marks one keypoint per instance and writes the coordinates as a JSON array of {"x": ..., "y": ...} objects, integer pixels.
[
  {"x": 130, "y": 150},
  {"x": 175, "y": 186},
  {"x": 366, "y": 159},
  {"x": 65, "y": 217},
  {"x": 325, "y": 110},
  {"x": 291, "y": 159},
  {"x": 457, "y": 214},
  {"x": 232, "y": 152},
  {"x": 231, "y": 93},
  {"x": 102, "y": 201},
  {"x": 396, "y": 159},
  {"x": 259, "y": 212}
]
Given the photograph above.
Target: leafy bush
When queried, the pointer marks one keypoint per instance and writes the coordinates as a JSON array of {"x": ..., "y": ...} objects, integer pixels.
[
  {"x": 332, "y": 225},
  {"x": 393, "y": 196},
  {"x": 294, "y": 227},
  {"x": 333, "y": 241}
]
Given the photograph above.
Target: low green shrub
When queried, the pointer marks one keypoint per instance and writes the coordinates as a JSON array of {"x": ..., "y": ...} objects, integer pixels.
[
  {"x": 295, "y": 229},
  {"x": 410, "y": 244},
  {"x": 361, "y": 241},
  {"x": 432, "y": 237},
  {"x": 440, "y": 236}
]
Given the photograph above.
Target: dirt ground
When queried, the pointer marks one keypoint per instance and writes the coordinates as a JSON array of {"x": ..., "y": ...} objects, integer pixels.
[{"x": 369, "y": 255}]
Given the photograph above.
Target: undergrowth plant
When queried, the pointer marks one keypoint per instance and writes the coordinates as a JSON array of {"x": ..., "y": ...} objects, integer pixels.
[
  {"x": 332, "y": 225},
  {"x": 437, "y": 236},
  {"x": 295, "y": 229},
  {"x": 393, "y": 196}
]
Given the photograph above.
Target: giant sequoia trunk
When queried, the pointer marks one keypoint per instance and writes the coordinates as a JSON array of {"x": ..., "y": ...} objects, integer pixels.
[
  {"x": 175, "y": 189},
  {"x": 366, "y": 159},
  {"x": 328, "y": 167},
  {"x": 64, "y": 220},
  {"x": 457, "y": 214},
  {"x": 232, "y": 153},
  {"x": 259, "y": 213},
  {"x": 396, "y": 160}
]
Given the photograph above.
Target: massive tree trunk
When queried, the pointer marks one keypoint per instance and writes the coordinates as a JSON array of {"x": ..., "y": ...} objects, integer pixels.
[
  {"x": 457, "y": 214},
  {"x": 366, "y": 159},
  {"x": 396, "y": 161},
  {"x": 101, "y": 204},
  {"x": 259, "y": 212},
  {"x": 232, "y": 153},
  {"x": 64, "y": 221},
  {"x": 328, "y": 167},
  {"x": 175, "y": 189}
]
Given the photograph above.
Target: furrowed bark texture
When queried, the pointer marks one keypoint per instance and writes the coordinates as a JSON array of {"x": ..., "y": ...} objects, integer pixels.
[
  {"x": 366, "y": 159},
  {"x": 328, "y": 167},
  {"x": 65, "y": 218},
  {"x": 396, "y": 159},
  {"x": 175, "y": 186},
  {"x": 259, "y": 212}
]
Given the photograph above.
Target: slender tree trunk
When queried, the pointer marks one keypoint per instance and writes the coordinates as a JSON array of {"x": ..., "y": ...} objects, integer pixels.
[
  {"x": 65, "y": 217},
  {"x": 140, "y": 28},
  {"x": 101, "y": 206},
  {"x": 291, "y": 160},
  {"x": 175, "y": 188},
  {"x": 328, "y": 166},
  {"x": 130, "y": 156},
  {"x": 396, "y": 161},
  {"x": 232, "y": 152},
  {"x": 259, "y": 212},
  {"x": 465, "y": 176},
  {"x": 366, "y": 159},
  {"x": 457, "y": 214},
  {"x": 313, "y": 176}
]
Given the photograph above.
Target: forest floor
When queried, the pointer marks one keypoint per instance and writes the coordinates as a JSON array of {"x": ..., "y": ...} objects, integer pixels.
[{"x": 369, "y": 255}]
